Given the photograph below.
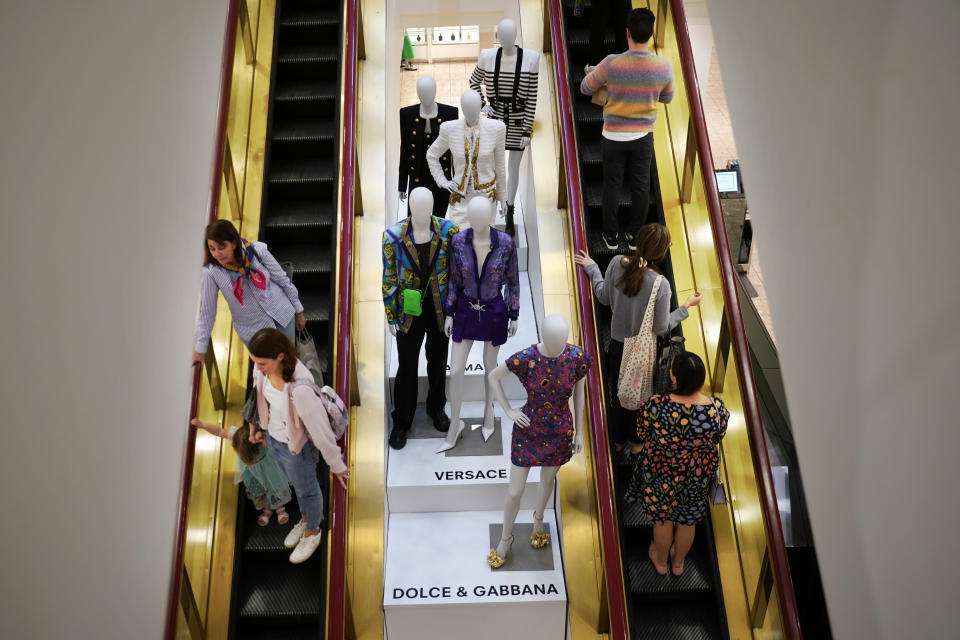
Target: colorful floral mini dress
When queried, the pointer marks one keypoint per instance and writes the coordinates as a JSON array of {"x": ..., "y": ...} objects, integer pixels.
[
  {"x": 548, "y": 441},
  {"x": 679, "y": 458}
]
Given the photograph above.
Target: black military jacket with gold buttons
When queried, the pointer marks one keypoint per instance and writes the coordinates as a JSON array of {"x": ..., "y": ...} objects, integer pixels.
[{"x": 414, "y": 141}]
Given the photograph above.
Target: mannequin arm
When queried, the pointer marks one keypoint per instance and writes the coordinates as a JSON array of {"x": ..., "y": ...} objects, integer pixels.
[
  {"x": 530, "y": 106},
  {"x": 476, "y": 79},
  {"x": 390, "y": 286},
  {"x": 439, "y": 147},
  {"x": 494, "y": 377},
  {"x": 578, "y": 397},
  {"x": 500, "y": 164}
]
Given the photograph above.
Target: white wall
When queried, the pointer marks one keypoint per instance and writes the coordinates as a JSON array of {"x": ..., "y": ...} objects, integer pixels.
[
  {"x": 846, "y": 122},
  {"x": 106, "y": 139}
]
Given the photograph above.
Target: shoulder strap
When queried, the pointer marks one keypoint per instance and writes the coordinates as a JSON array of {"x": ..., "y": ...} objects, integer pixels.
[
  {"x": 516, "y": 73},
  {"x": 647, "y": 325}
]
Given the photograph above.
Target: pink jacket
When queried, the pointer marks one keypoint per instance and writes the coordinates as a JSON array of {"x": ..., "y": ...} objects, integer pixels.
[{"x": 310, "y": 419}]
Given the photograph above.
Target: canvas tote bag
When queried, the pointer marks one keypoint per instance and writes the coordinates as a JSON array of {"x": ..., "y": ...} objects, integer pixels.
[{"x": 635, "y": 383}]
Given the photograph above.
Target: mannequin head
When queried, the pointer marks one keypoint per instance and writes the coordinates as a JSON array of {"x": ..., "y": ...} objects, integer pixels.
[
  {"x": 421, "y": 206},
  {"x": 470, "y": 106},
  {"x": 507, "y": 30},
  {"x": 426, "y": 90},
  {"x": 555, "y": 332},
  {"x": 479, "y": 212}
]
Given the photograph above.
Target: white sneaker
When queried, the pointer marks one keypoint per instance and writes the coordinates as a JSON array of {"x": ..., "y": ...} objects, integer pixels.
[
  {"x": 295, "y": 534},
  {"x": 306, "y": 547}
]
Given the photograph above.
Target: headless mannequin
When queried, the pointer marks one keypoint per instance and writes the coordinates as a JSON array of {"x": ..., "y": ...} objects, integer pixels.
[
  {"x": 507, "y": 30},
  {"x": 555, "y": 332},
  {"x": 421, "y": 209},
  {"x": 427, "y": 92},
  {"x": 480, "y": 214}
]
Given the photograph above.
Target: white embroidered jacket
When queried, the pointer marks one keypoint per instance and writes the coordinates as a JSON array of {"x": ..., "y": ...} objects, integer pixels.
[{"x": 482, "y": 146}]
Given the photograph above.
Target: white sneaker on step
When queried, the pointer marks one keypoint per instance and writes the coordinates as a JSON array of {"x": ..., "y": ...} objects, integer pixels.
[
  {"x": 295, "y": 534},
  {"x": 306, "y": 547}
]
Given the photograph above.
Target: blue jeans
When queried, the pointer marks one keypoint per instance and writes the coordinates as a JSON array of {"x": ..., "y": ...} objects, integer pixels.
[
  {"x": 301, "y": 471},
  {"x": 290, "y": 330}
]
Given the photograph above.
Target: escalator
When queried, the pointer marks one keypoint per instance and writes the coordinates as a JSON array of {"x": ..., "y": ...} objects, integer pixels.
[
  {"x": 272, "y": 598},
  {"x": 689, "y": 606}
]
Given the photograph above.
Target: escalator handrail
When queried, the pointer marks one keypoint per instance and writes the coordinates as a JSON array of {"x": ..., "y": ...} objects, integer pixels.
[
  {"x": 606, "y": 500},
  {"x": 758, "y": 448},
  {"x": 189, "y": 448},
  {"x": 336, "y": 578}
]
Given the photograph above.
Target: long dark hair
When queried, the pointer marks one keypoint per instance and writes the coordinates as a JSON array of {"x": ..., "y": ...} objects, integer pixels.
[
  {"x": 653, "y": 242},
  {"x": 270, "y": 343},
  {"x": 222, "y": 231},
  {"x": 247, "y": 451},
  {"x": 689, "y": 372}
]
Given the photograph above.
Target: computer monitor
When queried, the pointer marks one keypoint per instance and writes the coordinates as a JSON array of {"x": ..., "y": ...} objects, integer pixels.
[{"x": 728, "y": 180}]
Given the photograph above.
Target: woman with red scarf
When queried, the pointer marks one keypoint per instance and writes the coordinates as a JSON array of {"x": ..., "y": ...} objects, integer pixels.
[{"x": 257, "y": 290}]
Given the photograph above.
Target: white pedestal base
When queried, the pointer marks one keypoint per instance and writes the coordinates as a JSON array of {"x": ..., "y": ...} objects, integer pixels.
[{"x": 438, "y": 584}]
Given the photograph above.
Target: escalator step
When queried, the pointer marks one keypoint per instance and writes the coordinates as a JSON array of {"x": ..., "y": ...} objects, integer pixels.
[
  {"x": 578, "y": 39},
  {"x": 309, "y": 18},
  {"x": 305, "y": 259},
  {"x": 680, "y": 621},
  {"x": 289, "y": 628},
  {"x": 645, "y": 582},
  {"x": 306, "y": 90},
  {"x": 304, "y": 129},
  {"x": 316, "y": 306},
  {"x": 297, "y": 215},
  {"x": 301, "y": 170},
  {"x": 279, "y": 589},
  {"x": 634, "y": 515},
  {"x": 591, "y": 153},
  {"x": 308, "y": 53}
]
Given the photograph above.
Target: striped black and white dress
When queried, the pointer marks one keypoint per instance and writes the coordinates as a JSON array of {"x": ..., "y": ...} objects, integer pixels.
[{"x": 514, "y": 101}]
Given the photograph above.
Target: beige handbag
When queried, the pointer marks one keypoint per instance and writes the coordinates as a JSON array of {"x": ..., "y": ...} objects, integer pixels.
[
  {"x": 635, "y": 384},
  {"x": 599, "y": 97}
]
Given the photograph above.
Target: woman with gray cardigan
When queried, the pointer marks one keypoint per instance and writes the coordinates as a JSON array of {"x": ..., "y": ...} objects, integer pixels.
[{"x": 626, "y": 288}]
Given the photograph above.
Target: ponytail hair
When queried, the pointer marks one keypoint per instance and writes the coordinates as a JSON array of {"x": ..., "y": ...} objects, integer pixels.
[{"x": 653, "y": 242}]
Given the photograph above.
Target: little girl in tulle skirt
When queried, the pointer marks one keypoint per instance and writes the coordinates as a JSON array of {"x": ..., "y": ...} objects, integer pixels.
[{"x": 263, "y": 480}]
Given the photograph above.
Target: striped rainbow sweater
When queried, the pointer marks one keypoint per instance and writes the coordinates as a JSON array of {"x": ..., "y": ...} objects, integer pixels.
[{"x": 635, "y": 81}]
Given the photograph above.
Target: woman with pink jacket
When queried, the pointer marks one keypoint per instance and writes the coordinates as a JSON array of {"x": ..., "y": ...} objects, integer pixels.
[{"x": 295, "y": 426}]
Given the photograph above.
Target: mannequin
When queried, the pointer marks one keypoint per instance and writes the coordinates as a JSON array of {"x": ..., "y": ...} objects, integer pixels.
[
  {"x": 419, "y": 127},
  {"x": 486, "y": 251},
  {"x": 510, "y": 75},
  {"x": 415, "y": 257},
  {"x": 544, "y": 432},
  {"x": 476, "y": 146}
]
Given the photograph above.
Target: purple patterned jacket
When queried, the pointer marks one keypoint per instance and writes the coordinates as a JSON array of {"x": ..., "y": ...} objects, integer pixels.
[{"x": 483, "y": 283}]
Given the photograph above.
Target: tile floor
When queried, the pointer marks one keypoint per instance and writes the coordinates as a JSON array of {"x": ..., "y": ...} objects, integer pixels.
[{"x": 451, "y": 77}]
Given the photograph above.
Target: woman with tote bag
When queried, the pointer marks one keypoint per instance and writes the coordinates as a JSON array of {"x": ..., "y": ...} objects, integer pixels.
[{"x": 639, "y": 296}]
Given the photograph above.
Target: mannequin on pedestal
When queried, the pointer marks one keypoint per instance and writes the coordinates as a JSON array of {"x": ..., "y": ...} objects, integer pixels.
[
  {"x": 415, "y": 275},
  {"x": 510, "y": 75},
  {"x": 545, "y": 434},
  {"x": 476, "y": 146},
  {"x": 419, "y": 128},
  {"x": 483, "y": 267}
]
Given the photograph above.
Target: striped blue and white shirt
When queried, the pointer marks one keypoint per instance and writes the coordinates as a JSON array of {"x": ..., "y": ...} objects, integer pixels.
[{"x": 261, "y": 308}]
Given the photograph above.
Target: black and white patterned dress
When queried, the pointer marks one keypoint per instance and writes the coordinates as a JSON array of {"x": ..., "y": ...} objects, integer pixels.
[{"x": 513, "y": 98}]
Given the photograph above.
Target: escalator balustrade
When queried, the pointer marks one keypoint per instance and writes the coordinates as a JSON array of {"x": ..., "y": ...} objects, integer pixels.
[{"x": 688, "y": 607}]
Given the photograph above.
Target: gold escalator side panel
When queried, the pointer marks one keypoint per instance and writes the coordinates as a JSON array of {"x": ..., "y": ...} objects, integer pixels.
[
  {"x": 367, "y": 457},
  {"x": 212, "y": 508}
]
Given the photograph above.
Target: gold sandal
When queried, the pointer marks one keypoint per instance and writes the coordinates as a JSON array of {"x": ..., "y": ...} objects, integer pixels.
[
  {"x": 494, "y": 560},
  {"x": 542, "y": 539}
]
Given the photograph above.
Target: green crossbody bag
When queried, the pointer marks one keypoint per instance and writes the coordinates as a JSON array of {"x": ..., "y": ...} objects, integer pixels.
[{"x": 413, "y": 298}]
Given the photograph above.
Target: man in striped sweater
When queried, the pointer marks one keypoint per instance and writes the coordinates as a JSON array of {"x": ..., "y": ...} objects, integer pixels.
[{"x": 635, "y": 81}]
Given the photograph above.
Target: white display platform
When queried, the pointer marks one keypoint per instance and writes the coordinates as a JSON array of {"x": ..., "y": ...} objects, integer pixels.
[
  {"x": 473, "y": 380},
  {"x": 421, "y": 480},
  {"x": 438, "y": 585}
]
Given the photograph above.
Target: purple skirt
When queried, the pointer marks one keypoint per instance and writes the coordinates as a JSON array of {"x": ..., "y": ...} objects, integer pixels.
[{"x": 485, "y": 320}]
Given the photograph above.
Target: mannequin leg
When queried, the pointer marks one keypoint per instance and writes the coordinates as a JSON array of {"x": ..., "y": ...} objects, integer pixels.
[
  {"x": 490, "y": 353},
  {"x": 513, "y": 174},
  {"x": 518, "y": 482},
  {"x": 458, "y": 360},
  {"x": 548, "y": 477},
  {"x": 513, "y": 183}
]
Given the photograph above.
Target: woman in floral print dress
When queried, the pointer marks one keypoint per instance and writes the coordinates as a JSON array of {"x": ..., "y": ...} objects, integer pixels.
[{"x": 680, "y": 432}]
